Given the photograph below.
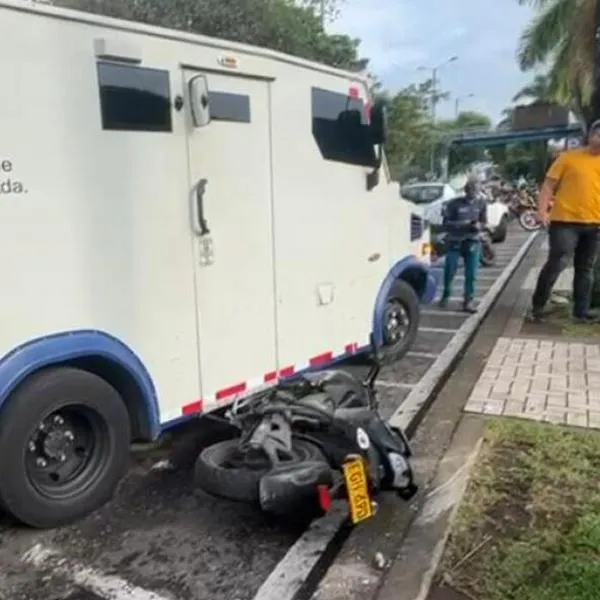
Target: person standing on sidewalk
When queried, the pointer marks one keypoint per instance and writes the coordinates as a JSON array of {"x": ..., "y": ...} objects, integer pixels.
[
  {"x": 464, "y": 219},
  {"x": 569, "y": 205}
]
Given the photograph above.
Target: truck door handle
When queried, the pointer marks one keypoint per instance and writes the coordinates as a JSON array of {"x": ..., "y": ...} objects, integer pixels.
[{"x": 200, "y": 191}]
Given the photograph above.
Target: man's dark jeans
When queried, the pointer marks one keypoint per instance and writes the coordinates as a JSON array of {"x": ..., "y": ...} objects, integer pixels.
[{"x": 569, "y": 241}]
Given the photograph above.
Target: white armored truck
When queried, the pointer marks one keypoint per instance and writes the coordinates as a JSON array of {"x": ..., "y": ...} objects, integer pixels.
[{"x": 183, "y": 220}]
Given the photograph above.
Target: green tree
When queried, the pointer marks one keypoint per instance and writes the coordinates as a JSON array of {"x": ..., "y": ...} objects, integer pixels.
[
  {"x": 327, "y": 10},
  {"x": 461, "y": 157},
  {"x": 277, "y": 24},
  {"x": 522, "y": 159},
  {"x": 525, "y": 158},
  {"x": 505, "y": 122},
  {"x": 562, "y": 35},
  {"x": 120, "y": 9},
  {"x": 411, "y": 133},
  {"x": 539, "y": 90}
]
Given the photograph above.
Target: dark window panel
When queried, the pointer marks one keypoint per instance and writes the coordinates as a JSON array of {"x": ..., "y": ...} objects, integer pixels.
[
  {"x": 225, "y": 106},
  {"x": 417, "y": 226},
  {"x": 341, "y": 129},
  {"x": 134, "y": 98}
]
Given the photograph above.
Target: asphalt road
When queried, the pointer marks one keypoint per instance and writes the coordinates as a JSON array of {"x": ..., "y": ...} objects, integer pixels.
[
  {"x": 439, "y": 326},
  {"x": 160, "y": 539}
]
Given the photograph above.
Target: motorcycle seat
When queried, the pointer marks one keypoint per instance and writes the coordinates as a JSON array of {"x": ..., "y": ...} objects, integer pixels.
[{"x": 319, "y": 402}]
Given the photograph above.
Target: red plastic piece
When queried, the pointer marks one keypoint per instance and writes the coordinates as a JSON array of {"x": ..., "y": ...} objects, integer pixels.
[{"x": 325, "y": 499}]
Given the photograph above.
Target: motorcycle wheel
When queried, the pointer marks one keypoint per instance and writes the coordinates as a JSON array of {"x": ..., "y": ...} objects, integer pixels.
[
  {"x": 529, "y": 221},
  {"x": 222, "y": 470},
  {"x": 488, "y": 254}
]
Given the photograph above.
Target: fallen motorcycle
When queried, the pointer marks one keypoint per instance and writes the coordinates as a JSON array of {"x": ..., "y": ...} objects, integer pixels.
[
  {"x": 487, "y": 257},
  {"x": 307, "y": 442}
]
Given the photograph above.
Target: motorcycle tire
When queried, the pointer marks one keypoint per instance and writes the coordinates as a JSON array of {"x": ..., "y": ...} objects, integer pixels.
[
  {"x": 240, "y": 483},
  {"x": 501, "y": 231},
  {"x": 528, "y": 220},
  {"x": 488, "y": 255}
]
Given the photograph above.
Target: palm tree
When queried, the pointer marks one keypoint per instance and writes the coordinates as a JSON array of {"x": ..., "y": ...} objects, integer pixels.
[
  {"x": 540, "y": 90},
  {"x": 562, "y": 34},
  {"x": 505, "y": 119}
]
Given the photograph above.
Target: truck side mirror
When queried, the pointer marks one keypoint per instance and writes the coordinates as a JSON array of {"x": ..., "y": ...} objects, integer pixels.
[
  {"x": 379, "y": 123},
  {"x": 198, "y": 91},
  {"x": 378, "y": 129}
]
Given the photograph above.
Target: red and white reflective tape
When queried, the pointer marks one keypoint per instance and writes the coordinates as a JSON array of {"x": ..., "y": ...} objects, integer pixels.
[{"x": 228, "y": 394}]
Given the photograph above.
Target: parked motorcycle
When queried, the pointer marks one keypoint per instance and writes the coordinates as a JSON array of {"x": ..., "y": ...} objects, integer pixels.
[
  {"x": 487, "y": 257},
  {"x": 529, "y": 220},
  {"x": 523, "y": 200},
  {"x": 307, "y": 442}
]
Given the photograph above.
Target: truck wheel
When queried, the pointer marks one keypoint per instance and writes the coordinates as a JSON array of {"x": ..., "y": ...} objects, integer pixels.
[
  {"x": 501, "y": 231},
  {"x": 400, "y": 323},
  {"x": 64, "y": 446}
]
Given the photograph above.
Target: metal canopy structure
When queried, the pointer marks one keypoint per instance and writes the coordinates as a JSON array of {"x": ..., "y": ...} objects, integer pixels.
[{"x": 500, "y": 138}]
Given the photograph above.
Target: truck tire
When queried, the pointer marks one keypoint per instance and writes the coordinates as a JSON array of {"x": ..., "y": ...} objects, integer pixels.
[
  {"x": 220, "y": 470},
  {"x": 501, "y": 231},
  {"x": 64, "y": 446},
  {"x": 400, "y": 323}
]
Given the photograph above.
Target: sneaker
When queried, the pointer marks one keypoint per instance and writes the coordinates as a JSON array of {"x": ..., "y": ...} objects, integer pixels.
[
  {"x": 443, "y": 302},
  {"x": 469, "y": 307},
  {"x": 534, "y": 316},
  {"x": 585, "y": 319}
]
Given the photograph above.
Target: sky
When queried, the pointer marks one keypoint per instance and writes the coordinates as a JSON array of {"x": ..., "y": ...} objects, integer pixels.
[{"x": 399, "y": 36}]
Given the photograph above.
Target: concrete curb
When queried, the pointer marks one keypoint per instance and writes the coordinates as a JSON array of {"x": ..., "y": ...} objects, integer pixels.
[
  {"x": 300, "y": 566},
  {"x": 307, "y": 559},
  {"x": 414, "y": 569},
  {"x": 410, "y": 413}
]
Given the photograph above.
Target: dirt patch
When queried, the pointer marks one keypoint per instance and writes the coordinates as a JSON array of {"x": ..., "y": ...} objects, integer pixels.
[
  {"x": 441, "y": 592},
  {"x": 558, "y": 321},
  {"x": 529, "y": 526}
]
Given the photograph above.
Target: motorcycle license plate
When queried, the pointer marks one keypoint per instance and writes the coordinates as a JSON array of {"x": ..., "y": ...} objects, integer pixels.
[{"x": 361, "y": 507}]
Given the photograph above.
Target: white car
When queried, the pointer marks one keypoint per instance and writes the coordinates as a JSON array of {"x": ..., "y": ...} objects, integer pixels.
[
  {"x": 432, "y": 196},
  {"x": 497, "y": 216}
]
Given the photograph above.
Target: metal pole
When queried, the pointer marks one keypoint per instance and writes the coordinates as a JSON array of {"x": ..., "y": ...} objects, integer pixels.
[
  {"x": 322, "y": 13},
  {"x": 434, "y": 101},
  {"x": 434, "y": 98},
  {"x": 456, "y": 105},
  {"x": 433, "y": 115}
]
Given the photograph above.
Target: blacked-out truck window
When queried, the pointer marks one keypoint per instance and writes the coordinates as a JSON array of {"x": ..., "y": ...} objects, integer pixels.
[
  {"x": 341, "y": 128},
  {"x": 134, "y": 98},
  {"x": 225, "y": 106},
  {"x": 422, "y": 194}
]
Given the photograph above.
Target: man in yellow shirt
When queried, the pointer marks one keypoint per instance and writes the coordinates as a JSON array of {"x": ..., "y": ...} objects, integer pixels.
[{"x": 572, "y": 190}]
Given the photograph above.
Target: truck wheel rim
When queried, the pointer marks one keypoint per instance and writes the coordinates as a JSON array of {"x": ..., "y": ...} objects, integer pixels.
[
  {"x": 396, "y": 323},
  {"x": 66, "y": 452}
]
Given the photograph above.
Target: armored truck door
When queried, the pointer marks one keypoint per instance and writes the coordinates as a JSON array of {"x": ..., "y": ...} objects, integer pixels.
[{"x": 231, "y": 221}]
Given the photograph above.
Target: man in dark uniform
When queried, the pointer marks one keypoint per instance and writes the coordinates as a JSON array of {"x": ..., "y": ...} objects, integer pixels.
[{"x": 464, "y": 219}]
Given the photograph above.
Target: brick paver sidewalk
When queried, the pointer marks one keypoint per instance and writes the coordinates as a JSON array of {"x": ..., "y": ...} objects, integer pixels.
[{"x": 543, "y": 380}]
